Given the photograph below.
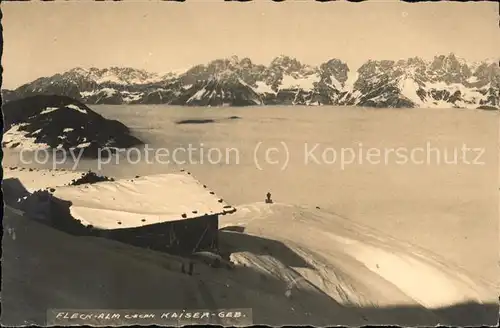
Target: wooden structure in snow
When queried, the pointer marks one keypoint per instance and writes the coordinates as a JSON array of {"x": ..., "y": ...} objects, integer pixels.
[{"x": 166, "y": 212}]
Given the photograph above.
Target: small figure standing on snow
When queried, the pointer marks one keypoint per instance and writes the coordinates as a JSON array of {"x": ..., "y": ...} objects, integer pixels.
[{"x": 268, "y": 199}]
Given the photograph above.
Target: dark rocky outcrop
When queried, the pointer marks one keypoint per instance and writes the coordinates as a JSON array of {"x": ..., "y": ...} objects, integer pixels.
[{"x": 64, "y": 123}]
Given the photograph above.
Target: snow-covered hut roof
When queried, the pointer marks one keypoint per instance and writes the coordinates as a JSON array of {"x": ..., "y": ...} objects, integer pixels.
[{"x": 131, "y": 203}]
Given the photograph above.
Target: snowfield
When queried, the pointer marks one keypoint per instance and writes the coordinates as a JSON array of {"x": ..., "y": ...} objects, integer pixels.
[
  {"x": 16, "y": 138},
  {"x": 305, "y": 83},
  {"x": 353, "y": 264}
]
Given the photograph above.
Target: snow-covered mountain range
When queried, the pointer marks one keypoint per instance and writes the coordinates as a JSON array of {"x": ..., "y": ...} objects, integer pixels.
[{"x": 446, "y": 81}]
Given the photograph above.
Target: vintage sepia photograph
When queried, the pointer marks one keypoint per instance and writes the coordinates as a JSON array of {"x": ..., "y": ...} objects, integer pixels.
[{"x": 231, "y": 163}]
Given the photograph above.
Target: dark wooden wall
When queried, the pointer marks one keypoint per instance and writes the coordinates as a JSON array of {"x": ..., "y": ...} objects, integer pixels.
[
  {"x": 182, "y": 236},
  {"x": 178, "y": 237}
]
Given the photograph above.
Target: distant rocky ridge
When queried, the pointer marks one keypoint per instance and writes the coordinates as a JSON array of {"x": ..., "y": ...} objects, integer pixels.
[
  {"x": 445, "y": 81},
  {"x": 59, "y": 122}
]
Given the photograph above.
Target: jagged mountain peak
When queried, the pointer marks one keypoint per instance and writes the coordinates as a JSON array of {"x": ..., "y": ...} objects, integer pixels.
[
  {"x": 334, "y": 69},
  {"x": 286, "y": 63},
  {"x": 413, "y": 64},
  {"x": 449, "y": 63},
  {"x": 416, "y": 61},
  {"x": 110, "y": 75},
  {"x": 374, "y": 66},
  {"x": 78, "y": 70}
]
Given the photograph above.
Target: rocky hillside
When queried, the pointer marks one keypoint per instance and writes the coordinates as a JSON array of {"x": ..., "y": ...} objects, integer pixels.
[
  {"x": 445, "y": 81},
  {"x": 59, "y": 122}
]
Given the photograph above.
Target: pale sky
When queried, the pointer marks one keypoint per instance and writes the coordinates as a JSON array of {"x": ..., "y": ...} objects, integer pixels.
[{"x": 44, "y": 38}]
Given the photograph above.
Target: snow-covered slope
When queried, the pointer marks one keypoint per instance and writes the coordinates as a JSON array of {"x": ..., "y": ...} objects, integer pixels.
[
  {"x": 59, "y": 122},
  {"x": 352, "y": 264},
  {"x": 445, "y": 81}
]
